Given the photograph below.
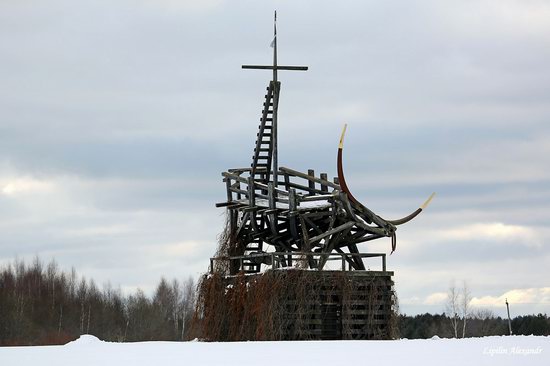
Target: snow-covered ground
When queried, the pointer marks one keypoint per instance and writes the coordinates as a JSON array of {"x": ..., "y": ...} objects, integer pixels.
[{"x": 88, "y": 350}]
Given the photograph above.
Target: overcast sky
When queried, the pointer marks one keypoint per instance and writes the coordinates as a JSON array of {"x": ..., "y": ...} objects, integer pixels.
[{"x": 117, "y": 117}]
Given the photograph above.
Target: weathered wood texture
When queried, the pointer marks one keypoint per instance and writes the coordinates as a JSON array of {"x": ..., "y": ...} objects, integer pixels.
[
  {"x": 305, "y": 213},
  {"x": 298, "y": 305}
]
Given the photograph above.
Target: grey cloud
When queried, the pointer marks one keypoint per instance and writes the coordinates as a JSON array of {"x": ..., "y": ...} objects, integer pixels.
[{"x": 130, "y": 108}]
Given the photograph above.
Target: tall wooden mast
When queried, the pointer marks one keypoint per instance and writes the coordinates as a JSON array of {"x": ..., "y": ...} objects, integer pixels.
[{"x": 262, "y": 165}]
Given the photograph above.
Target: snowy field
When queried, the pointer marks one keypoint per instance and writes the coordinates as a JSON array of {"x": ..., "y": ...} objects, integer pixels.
[{"x": 88, "y": 350}]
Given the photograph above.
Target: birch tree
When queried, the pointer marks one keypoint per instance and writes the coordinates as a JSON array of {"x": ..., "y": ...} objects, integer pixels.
[
  {"x": 465, "y": 299},
  {"x": 458, "y": 306},
  {"x": 451, "y": 308}
]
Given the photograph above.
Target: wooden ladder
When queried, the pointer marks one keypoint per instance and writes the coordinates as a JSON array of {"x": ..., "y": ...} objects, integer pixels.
[{"x": 263, "y": 152}]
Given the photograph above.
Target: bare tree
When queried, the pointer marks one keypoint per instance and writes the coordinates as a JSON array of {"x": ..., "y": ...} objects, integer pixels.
[
  {"x": 452, "y": 307},
  {"x": 465, "y": 299},
  {"x": 163, "y": 301},
  {"x": 458, "y": 306},
  {"x": 187, "y": 304},
  {"x": 484, "y": 318},
  {"x": 176, "y": 306},
  {"x": 82, "y": 296}
]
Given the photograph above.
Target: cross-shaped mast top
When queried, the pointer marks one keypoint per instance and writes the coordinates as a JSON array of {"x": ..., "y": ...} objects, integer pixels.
[
  {"x": 274, "y": 86},
  {"x": 275, "y": 66}
]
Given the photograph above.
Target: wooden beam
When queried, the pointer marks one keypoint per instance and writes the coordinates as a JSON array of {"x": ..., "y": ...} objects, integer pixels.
[
  {"x": 342, "y": 227},
  {"x": 359, "y": 261},
  {"x": 366, "y": 238},
  {"x": 303, "y": 188},
  {"x": 346, "y": 257},
  {"x": 250, "y": 209},
  {"x": 229, "y": 204},
  {"x": 330, "y": 246},
  {"x": 278, "y": 190},
  {"x": 305, "y": 176},
  {"x": 272, "y": 208},
  {"x": 311, "y": 223},
  {"x": 234, "y": 176},
  {"x": 251, "y": 193},
  {"x": 242, "y": 170},
  {"x": 238, "y": 190},
  {"x": 318, "y": 197},
  {"x": 311, "y": 184},
  {"x": 270, "y": 67},
  {"x": 324, "y": 177},
  {"x": 306, "y": 248},
  {"x": 271, "y": 211},
  {"x": 292, "y": 206}
]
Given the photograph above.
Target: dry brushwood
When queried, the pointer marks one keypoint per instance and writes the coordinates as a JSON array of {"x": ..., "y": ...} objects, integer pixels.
[{"x": 291, "y": 305}]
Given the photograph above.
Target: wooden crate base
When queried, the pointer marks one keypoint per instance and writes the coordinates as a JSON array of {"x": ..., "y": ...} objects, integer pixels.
[{"x": 303, "y": 305}]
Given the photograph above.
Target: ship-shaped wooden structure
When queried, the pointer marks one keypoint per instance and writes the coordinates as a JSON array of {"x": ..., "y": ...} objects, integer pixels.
[{"x": 282, "y": 219}]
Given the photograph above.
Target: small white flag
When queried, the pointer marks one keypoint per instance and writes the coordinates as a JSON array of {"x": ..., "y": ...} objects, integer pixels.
[{"x": 273, "y": 42}]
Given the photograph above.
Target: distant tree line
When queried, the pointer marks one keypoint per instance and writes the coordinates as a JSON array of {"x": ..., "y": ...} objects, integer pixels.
[
  {"x": 461, "y": 320},
  {"x": 480, "y": 323},
  {"x": 39, "y": 304}
]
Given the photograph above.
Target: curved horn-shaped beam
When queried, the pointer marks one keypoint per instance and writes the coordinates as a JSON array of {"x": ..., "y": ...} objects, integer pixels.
[
  {"x": 341, "y": 179},
  {"x": 366, "y": 214},
  {"x": 352, "y": 199},
  {"x": 414, "y": 214}
]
